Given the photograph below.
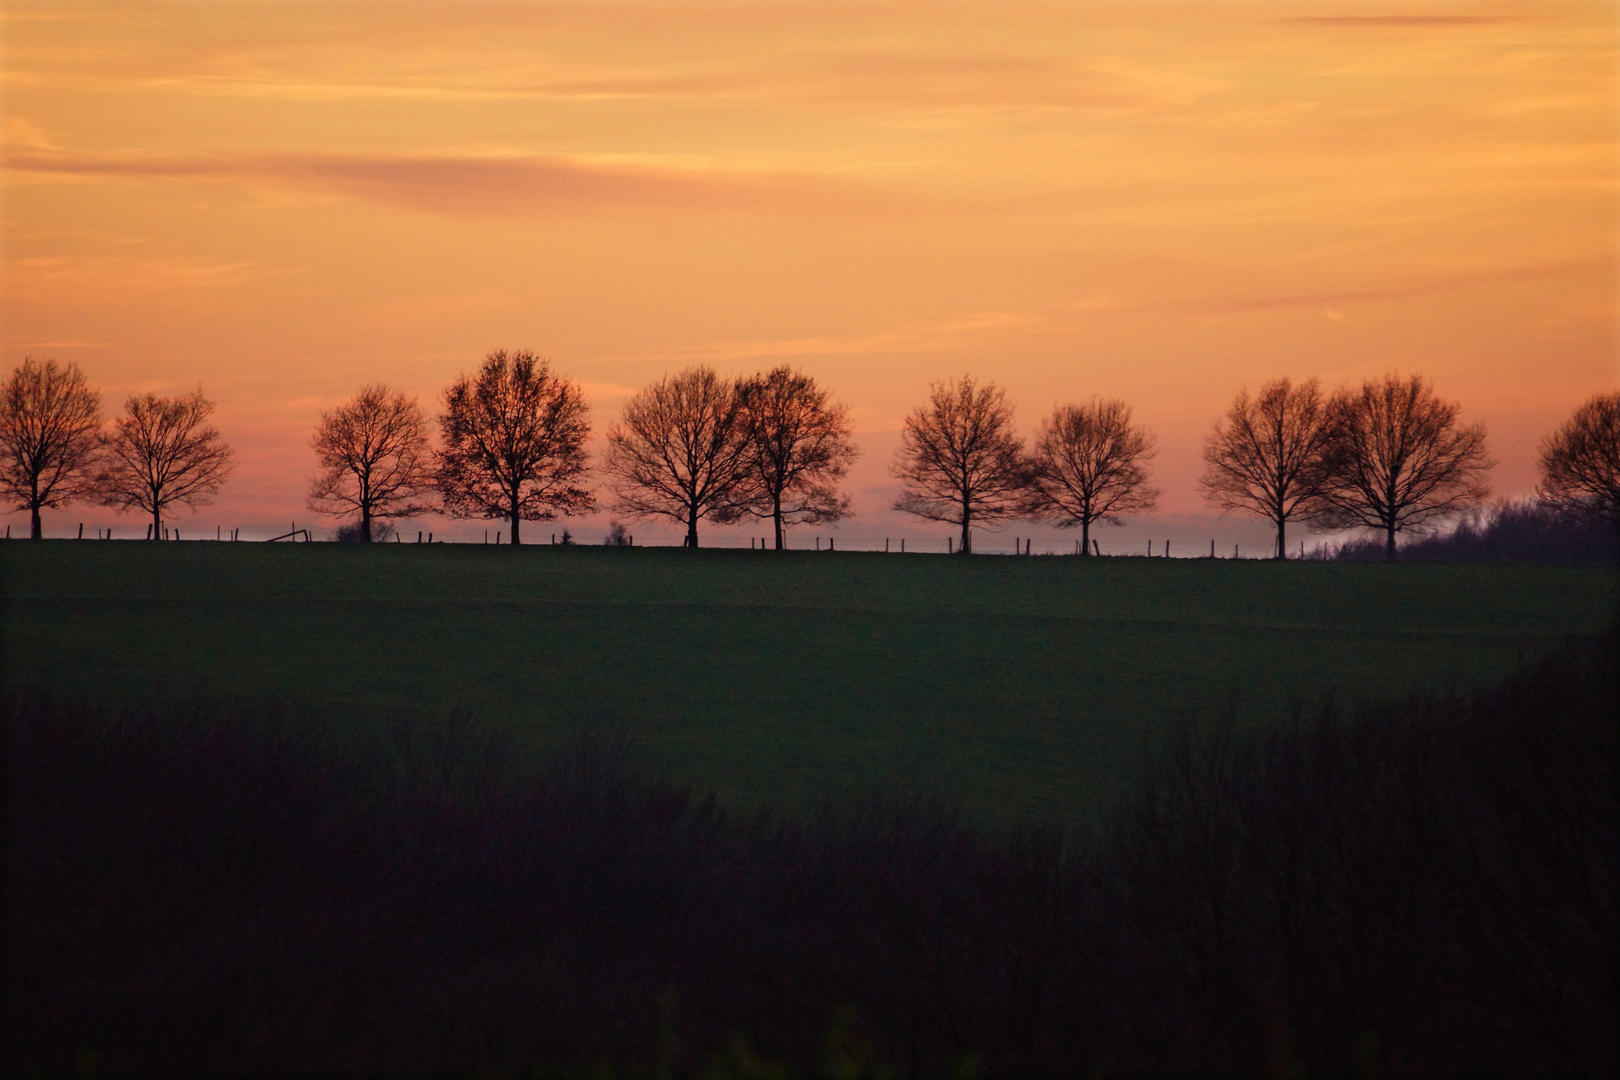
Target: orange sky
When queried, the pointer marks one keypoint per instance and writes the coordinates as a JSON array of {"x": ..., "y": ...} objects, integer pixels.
[{"x": 1160, "y": 202}]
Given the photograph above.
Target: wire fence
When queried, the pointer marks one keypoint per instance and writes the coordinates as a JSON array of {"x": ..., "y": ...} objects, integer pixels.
[{"x": 912, "y": 544}]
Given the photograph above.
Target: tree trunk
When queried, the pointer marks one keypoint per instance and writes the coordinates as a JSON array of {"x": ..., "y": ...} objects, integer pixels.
[
  {"x": 38, "y": 530},
  {"x": 1085, "y": 536},
  {"x": 365, "y": 524},
  {"x": 515, "y": 519},
  {"x": 1389, "y": 543},
  {"x": 157, "y": 524},
  {"x": 1282, "y": 548},
  {"x": 776, "y": 517},
  {"x": 691, "y": 527},
  {"x": 967, "y": 535}
]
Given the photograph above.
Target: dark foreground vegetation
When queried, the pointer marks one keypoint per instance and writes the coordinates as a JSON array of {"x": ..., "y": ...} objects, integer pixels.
[
  {"x": 1421, "y": 887},
  {"x": 1529, "y": 531}
]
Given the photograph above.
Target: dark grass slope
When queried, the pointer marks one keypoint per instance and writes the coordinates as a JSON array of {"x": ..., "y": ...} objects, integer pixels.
[
  {"x": 1427, "y": 887},
  {"x": 1014, "y": 686}
]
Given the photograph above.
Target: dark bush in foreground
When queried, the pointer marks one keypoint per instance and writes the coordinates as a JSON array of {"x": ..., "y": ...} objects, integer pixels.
[
  {"x": 1527, "y": 531},
  {"x": 1428, "y": 889}
]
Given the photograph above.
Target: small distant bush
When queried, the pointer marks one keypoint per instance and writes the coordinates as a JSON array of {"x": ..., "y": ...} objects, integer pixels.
[
  {"x": 1526, "y": 531},
  {"x": 350, "y": 533},
  {"x": 618, "y": 535}
]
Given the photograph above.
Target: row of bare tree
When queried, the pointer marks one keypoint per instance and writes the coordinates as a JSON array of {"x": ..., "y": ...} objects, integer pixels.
[
  {"x": 1389, "y": 455},
  {"x": 54, "y": 448}
]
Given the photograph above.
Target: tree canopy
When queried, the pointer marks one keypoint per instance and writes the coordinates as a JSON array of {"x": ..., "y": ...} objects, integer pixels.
[
  {"x": 514, "y": 443},
  {"x": 959, "y": 460},
  {"x": 50, "y": 437}
]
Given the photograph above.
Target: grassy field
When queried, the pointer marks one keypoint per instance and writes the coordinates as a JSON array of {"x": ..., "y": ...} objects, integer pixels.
[{"x": 1015, "y": 686}]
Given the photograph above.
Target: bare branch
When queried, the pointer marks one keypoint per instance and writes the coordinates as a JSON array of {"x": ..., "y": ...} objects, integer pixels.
[
  {"x": 1088, "y": 467},
  {"x": 374, "y": 459},
  {"x": 163, "y": 451},
  {"x": 959, "y": 460},
  {"x": 1580, "y": 462},
  {"x": 50, "y": 424},
  {"x": 514, "y": 443},
  {"x": 798, "y": 443},
  {"x": 681, "y": 451},
  {"x": 1266, "y": 455},
  {"x": 1396, "y": 459}
]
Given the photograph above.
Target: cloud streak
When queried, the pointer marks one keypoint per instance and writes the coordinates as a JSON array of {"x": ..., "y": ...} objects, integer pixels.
[
  {"x": 1410, "y": 22},
  {"x": 465, "y": 185}
]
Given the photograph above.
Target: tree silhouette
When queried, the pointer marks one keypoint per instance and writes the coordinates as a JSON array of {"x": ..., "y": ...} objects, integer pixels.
[
  {"x": 163, "y": 451},
  {"x": 50, "y": 424},
  {"x": 514, "y": 443},
  {"x": 681, "y": 451},
  {"x": 1088, "y": 467},
  {"x": 1266, "y": 455},
  {"x": 1580, "y": 462},
  {"x": 798, "y": 442},
  {"x": 959, "y": 461},
  {"x": 374, "y": 459},
  {"x": 1396, "y": 459}
]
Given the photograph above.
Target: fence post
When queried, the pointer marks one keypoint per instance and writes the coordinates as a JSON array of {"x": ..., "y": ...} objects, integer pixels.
[
  {"x": 1096, "y": 547},
  {"x": 1234, "y": 551},
  {"x": 948, "y": 542},
  {"x": 1167, "y": 549},
  {"x": 902, "y": 542}
]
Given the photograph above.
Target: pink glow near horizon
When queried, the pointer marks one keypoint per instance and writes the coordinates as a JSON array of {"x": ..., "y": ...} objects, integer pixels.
[{"x": 1157, "y": 202}]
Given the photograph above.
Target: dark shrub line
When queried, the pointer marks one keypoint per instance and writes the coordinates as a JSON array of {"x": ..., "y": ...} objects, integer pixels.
[
  {"x": 1527, "y": 531},
  {"x": 1425, "y": 888}
]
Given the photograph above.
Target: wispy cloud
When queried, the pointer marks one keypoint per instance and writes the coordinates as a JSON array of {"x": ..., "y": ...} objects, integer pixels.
[
  {"x": 465, "y": 185},
  {"x": 1409, "y": 22},
  {"x": 1332, "y": 302},
  {"x": 918, "y": 336}
]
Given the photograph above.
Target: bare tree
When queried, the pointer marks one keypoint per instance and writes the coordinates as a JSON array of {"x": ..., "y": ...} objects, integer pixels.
[
  {"x": 50, "y": 436},
  {"x": 1266, "y": 455},
  {"x": 374, "y": 459},
  {"x": 798, "y": 442},
  {"x": 1089, "y": 466},
  {"x": 681, "y": 451},
  {"x": 1396, "y": 459},
  {"x": 514, "y": 443},
  {"x": 163, "y": 451},
  {"x": 1580, "y": 462},
  {"x": 959, "y": 460}
]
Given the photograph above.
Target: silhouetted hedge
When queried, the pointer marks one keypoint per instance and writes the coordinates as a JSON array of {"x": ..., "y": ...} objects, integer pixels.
[
  {"x": 1527, "y": 531},
  {"x": 1427, "y": 887}
]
